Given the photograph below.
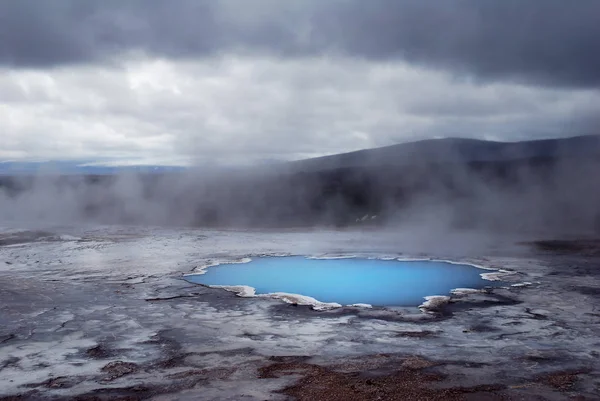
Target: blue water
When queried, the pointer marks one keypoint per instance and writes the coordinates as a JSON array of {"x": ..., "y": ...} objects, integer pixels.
[{"x": 347, "y": 281}]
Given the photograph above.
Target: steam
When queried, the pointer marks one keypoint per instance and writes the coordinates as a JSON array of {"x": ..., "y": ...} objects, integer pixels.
[{"x": 550, "y": 196}]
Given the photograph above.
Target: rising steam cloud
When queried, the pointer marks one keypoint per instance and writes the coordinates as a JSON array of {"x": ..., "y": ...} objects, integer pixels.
[{"x": 556, "y": 194}]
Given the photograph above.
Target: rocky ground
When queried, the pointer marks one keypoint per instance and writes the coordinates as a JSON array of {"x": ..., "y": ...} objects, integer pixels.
[{"x": 104, "y": 314}]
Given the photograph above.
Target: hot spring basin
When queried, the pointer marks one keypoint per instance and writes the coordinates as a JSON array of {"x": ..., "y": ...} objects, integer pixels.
[{"x": 347, "y": 281}]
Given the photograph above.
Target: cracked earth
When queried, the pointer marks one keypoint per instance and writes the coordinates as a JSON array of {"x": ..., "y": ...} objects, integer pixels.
[{"x": 104, "y": 314}]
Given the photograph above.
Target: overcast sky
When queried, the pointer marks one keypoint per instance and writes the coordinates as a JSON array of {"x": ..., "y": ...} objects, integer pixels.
[{"x": 239, "y": 81}]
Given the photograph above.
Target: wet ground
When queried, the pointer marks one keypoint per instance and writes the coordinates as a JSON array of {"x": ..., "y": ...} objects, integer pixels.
[{"x": 103, "y": 314}]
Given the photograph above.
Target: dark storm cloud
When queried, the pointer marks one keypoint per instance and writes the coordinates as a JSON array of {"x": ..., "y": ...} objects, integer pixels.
[
  {"x": 549, "y": 41},
  {"x": 48, "y": 33},
  {"x": 553, "y": 42}
]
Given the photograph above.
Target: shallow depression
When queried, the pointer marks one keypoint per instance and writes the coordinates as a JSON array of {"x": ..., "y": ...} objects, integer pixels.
[{"x": 347, "y": 281}]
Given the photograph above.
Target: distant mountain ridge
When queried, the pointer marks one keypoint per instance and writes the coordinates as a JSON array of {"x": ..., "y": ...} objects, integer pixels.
[
  {"x": 455, "y": 150},
  {"x": 548, "y": 185},
  {"x": 428, "y": 151},
  {"x": 77, "y": 167}
]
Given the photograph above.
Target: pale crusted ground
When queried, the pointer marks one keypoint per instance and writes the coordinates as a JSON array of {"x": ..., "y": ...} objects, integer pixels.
[{"x": 103, "y": 313}]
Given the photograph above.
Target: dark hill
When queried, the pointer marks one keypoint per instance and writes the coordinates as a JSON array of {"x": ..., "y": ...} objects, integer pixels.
[
  {"x": 455, "y": 150},
  {"x": 548, "y": 185}
]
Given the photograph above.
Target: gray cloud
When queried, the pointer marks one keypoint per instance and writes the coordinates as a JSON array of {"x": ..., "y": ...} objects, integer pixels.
[
  {"x": 549, "y": 43},
  {"x": 245, "y": 109}
]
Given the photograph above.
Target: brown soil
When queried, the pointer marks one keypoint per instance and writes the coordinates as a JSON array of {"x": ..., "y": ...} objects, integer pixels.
[{"x": 411, "y": 382}]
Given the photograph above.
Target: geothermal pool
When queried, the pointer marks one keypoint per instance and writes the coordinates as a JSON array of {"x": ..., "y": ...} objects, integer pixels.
[{"x": 347, "y": 281}]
